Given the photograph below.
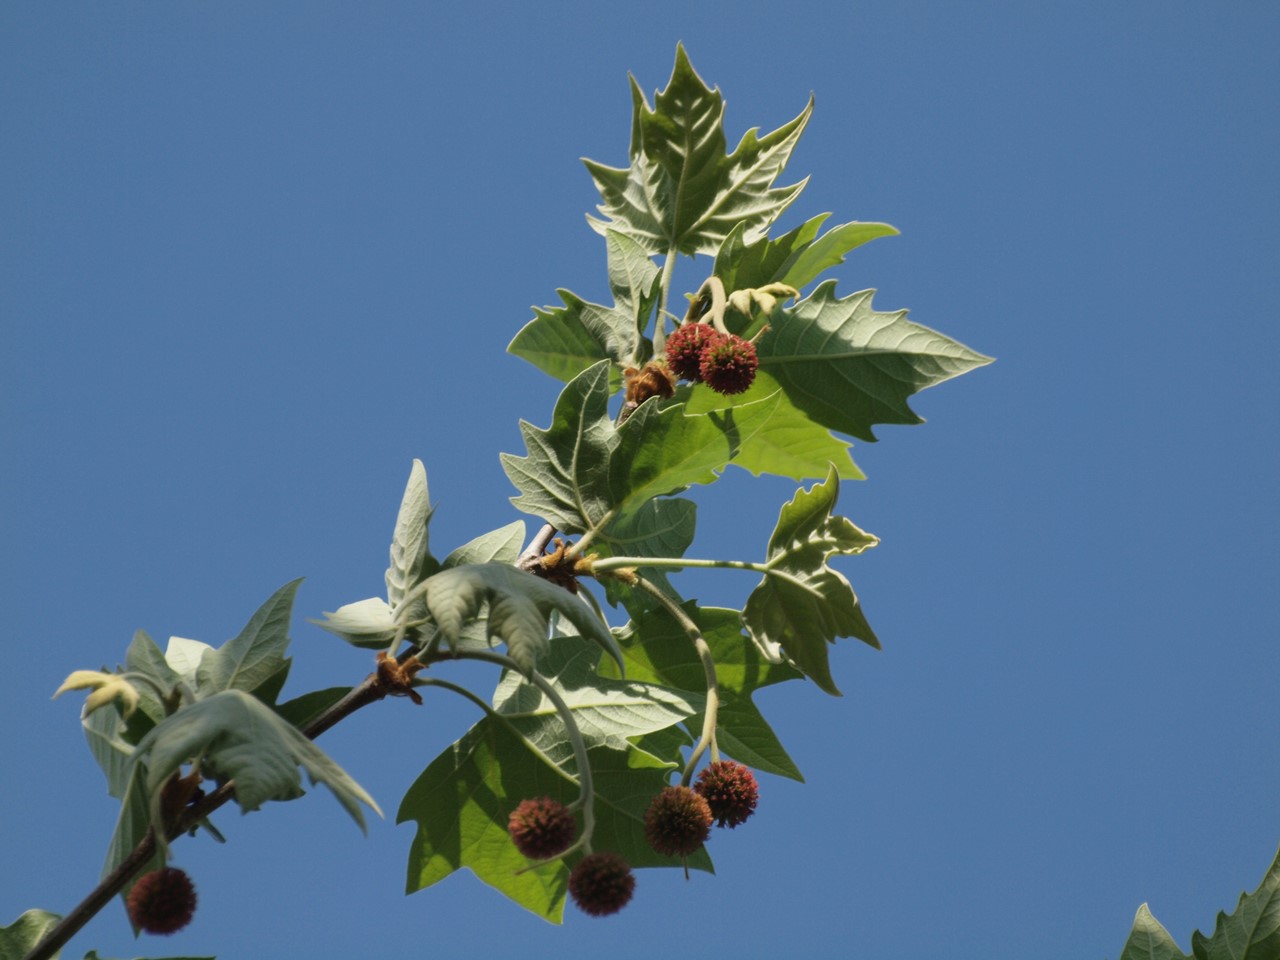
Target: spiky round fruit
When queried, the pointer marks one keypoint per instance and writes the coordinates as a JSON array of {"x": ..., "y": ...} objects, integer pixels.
[
  {"x": 728, "y": 364},
  {"x": 730, "y": 791},
  {"x": 601, "y": 884},
  {"x": 162, "y": 901},
  {"x": 677, "y": 822},
  {"x": 685, "y": 347},
  {"x": 541, "y": 828}
]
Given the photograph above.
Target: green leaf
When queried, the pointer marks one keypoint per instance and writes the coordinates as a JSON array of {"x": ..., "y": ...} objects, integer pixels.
[
  {"x": 411, "y": 559},
  {"x": 302, "y": 710},
  {"x": 656, "y": 648},
  {"x": 793, "y": 446},
  {"x": 463, "y": 800},
  {"x": 1253, "y": 931},
  {"x": 235, "y": 736},
  {"x": 582, "y": 472},
  {"x": 564, "y": 341},
  {"x": 681, "y": 192},
  {"x": 562, "y": 480},
  {"x": 608, "y": 712},
  {"x": 132, "y": 824},
  {"x": 848, "y": 366},
  {"x": 146, "y": 658},
  {"x": 254, "y": 657},
  {"x": 660, "y": 528},
  {"x": 802, "y": 604},
  {"x": 1150, "y": 941},
  {"x": 17, "y": 939},
  {"x": 663, "y": 449},
  {"x": 497, "y": 546},
  {"x": 796, "y": 258},
  {"x": 104, "y": 731},
  {"x": 520, "y": 606}
]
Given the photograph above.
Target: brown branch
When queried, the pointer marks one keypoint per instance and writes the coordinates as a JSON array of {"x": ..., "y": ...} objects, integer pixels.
[{"x": 370, "y": 690}]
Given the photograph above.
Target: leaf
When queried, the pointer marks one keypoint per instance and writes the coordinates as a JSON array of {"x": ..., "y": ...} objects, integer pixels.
[
  {"x": 796, "y": 258},
  {"x": 562, "y": 480},
  {"x": 17, "y": 939},
  {"x": 662, "y": 450},
  {"x": 302, "y": 710},
  {"x": 146, "y": 658},
  {"x": 411, "y": 560},
  {"x": 462, "y": 801},
  {"x": 848, "y": 366},
  {"x": 802, "y": 604},
  {"x": 564, "y": 341},
  {"x": 184, "y": 657},
  {"x": 660, "y": 528},
  {"x": 681, "y": 192},
  {"x": 656, "y": 648},
  {"x": 497, "y": 546},
  {"x": 1150, "y": 941},
  {"x": 107, "y": 688},
  {"x": 104, "y": 730},
  {"x": 582, "y": 472},
  {"x": 235, "y": 736},
  {"x": 794, "y": 446},
  {"x": 366, "y": 623},
  {"x": 256, "y": 655},
  {"x": 608, "y": 711},
  {"x": 1253, "y": 931},
  {"x": 520, "y": 607},
  {"x": 132, "y": 824}
]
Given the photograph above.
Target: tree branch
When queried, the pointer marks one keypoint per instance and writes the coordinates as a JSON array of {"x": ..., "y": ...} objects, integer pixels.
[{"x": 370, "y": 690}]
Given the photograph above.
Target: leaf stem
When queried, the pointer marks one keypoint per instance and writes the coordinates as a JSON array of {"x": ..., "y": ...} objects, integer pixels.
[
  {"x": 660, "y": 322},
  {"x": 711, "y": 716},
  {"x": 586, "y": 786}
]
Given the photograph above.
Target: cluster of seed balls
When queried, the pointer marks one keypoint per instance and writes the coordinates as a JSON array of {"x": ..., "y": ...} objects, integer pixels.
[
  {"x": 699, "y": 353},
  {"x": 676, "y": 824}
]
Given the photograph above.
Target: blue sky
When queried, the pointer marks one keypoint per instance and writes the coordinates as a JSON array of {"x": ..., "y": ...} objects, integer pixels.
[{"x": 257, "y": 257}]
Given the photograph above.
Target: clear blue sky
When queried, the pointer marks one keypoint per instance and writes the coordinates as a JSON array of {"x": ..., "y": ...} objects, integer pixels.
[{"x": 256, "y": 257}]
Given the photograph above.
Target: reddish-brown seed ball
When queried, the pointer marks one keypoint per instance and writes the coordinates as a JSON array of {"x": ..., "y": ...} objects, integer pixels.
[
  {"x": 601, "y": 884},
  {"x": 728, "y": 364},
  {"x": 162, "y": 901},
  {"x": 541, "y": 828},
  {"x": 677, "y": 822},
  {"x": 685, "y": 347},
  {"x": 730, "y": 791}
]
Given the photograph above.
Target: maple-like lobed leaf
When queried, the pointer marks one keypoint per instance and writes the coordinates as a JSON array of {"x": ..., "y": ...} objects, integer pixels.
[
  {"x": 658, "y": 649},
  {"x": 1253, "y": 930},
  {"x": 461, "y": 802},
  {"x": 801, "y": 604},
  {"x": 681, "y": 191},
  {"x": 583, "y": 471},
  {"x": 848, "y": 366}
]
